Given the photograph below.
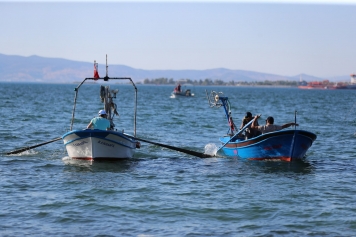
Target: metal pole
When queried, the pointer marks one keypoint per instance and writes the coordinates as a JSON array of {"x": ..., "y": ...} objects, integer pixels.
[{"x": 75, "y": 102}]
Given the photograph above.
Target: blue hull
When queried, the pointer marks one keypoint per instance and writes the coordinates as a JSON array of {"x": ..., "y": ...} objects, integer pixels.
[{"x": 284, "y": 145}]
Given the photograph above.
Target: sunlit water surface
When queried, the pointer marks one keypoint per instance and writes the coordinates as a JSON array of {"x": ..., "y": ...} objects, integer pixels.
[{"x": 163, "y": 192}]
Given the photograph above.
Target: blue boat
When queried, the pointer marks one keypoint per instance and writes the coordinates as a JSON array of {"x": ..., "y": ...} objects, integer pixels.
[{"x": 285, "y": 145}]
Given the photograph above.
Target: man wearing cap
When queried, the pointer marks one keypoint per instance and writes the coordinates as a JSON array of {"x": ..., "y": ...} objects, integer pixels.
[
  {"x": 270, "y": 127},
  {"x": 100, "y": 122}
]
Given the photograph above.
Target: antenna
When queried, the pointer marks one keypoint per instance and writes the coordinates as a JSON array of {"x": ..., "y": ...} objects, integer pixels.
[{"x": 106, "y": 78}]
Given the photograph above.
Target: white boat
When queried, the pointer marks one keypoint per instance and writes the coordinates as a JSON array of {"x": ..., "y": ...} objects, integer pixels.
[
  {"x": 186, "y": 93},
  {"x": 95, "y": 144},
  {"x": 177, "y": 92}
]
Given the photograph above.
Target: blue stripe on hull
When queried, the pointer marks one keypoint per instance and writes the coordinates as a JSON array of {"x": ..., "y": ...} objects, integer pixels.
[{"x": 95, "y": 133}]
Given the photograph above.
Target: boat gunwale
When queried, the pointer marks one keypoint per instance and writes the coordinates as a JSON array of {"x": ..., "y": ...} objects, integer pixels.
[
  {"x": 255, "y": 140},
  {"x": 105, "y": 79},
  {"x": 98, "y": 131}
]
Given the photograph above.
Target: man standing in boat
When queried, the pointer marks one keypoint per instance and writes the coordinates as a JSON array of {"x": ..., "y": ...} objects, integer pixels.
[
  {"x": 100, "y": 122},
  {"x": 177, "y": 89},
  {"x": 249, "y": 132},
  {"x": 269, "y": 127}
]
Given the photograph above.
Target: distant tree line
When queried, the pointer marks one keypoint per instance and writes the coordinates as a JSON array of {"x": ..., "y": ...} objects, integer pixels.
[{"x": 218, "y": 82}]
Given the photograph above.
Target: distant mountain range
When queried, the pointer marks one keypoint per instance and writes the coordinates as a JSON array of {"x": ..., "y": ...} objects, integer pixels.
[{"x": 56, "y": 70}]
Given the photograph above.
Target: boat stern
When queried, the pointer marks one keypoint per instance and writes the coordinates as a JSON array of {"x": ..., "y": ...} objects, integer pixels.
[{"x": 98, "y": 145}]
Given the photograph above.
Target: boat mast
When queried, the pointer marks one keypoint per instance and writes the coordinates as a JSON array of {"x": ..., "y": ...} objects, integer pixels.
[
  {"x": 106, "y": 78},
  {"x": 217, "y": 101},
  {"x": 227, "y": 108}
]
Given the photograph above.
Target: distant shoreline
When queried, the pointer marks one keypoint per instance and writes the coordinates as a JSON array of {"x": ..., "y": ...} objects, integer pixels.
[{"x": 140, "y": 84}]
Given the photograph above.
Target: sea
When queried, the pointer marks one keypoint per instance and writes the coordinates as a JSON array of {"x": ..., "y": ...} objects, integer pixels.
[{"x": 163, "y": 192}]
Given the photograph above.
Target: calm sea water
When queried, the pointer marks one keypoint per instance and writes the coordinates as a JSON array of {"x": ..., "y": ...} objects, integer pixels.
[{"x": 166, "y": 193}]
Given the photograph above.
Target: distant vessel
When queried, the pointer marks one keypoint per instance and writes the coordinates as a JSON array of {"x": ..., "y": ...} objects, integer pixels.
[
  {"x": 326, "y": 84},
  {"x": 352, "y": 84}
]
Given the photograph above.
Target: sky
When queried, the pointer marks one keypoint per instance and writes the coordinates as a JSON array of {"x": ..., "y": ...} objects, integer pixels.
[{"x": 286, "y": 38}]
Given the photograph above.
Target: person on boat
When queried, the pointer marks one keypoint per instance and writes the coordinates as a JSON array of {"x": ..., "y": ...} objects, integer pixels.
[
  {"x": 177, "y": 89},
  {"x": 269, "y": 127},
  {"x": 100, "y": 122},
  {"x": 249, "y": 132}
]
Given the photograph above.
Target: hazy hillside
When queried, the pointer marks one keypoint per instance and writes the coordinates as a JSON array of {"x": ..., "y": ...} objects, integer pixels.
[{"x": 56, "y": 70}]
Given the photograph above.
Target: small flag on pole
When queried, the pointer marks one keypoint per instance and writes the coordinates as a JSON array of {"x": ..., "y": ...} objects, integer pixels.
[{"x": 96, "y": 73}]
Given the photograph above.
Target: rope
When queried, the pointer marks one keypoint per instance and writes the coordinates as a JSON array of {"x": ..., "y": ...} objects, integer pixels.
[{"x": 102, "y": 93}]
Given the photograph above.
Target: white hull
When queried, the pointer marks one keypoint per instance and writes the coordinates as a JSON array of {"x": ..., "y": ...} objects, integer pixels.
[
  {"x": 181, "y": 94},
  {"x": 98, "y": 145}
]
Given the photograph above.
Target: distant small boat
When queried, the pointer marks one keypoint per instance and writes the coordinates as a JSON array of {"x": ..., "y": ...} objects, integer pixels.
[
  {"x": 178, "y": 92},
  {"x": 95, "y": 144},
  {"x": 285, "y": 145},
  {"x": 186, "y": 93}
]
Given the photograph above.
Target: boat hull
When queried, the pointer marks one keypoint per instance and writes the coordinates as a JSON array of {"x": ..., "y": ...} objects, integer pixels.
[
  {"x": 187, "y": 93},
  {"x": 286, "y": 145},
  {"x": 350, "y": 87},
  {"x": 93, "y": 144}
]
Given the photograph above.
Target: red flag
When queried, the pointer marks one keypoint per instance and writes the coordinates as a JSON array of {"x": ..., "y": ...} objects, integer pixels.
[{"x": 96, "y": 74}]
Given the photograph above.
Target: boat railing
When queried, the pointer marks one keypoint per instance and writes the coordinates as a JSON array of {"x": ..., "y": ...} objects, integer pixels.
[
  {"x": 106, "y": 78},
  {"x": 215, "y": 99}
]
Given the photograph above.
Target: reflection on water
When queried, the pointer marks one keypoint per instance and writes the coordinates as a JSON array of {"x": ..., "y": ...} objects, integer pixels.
[
  {"x": 99, "y": 166},
  {"x": 298, "y": 166}
]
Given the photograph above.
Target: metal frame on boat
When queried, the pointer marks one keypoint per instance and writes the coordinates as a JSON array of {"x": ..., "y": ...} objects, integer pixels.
[
  {"x": 286, "y": 145},
  {"x": 94, "y": 144}
]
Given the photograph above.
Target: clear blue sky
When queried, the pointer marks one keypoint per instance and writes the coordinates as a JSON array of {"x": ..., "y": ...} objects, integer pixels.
[{"x": 280, "y": 37}]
